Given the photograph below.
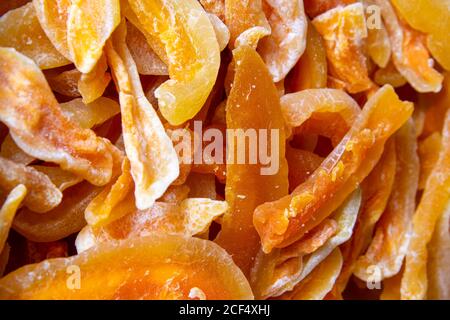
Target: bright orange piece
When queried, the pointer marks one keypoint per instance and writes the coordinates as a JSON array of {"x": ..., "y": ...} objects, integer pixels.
[
  {"x": 253, "y": 103},
  {"x": 157, "y": 267},
  {"x": 428, "y": 150},
  {"x": 344, "y": 30},
  {"x": 286, "y": 220}
]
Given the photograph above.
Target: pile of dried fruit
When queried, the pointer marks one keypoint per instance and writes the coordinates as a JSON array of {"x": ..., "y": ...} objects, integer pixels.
[{"x": 121, "y": 122}]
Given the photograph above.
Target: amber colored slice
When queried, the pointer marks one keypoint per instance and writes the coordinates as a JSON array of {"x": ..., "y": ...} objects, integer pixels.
[
  {"x": 389, "y": 75},
  {"x": 302, "y": 164},
  {"x": 286, "y": 220},
  {"x": 216, "y": 7},
  {"x": 344, "y": 31},
  {"x": 432, "y": 205},
  {"x": 376, "y": 190},
  {"x": 379, "y": 45},
  {"x": 92, "y": 85},
  {"x": 311, "y": 70},
  {"x": 391, "y": 287},
  {"x": 157, "y": 267},
  {"x": 316, "y": 7},
  {"x": 320, "y": 281},
  {"x": 60, "y": 178},
  {"x": 65, "y": 83},
  {"x": 8, "y": 211},
  {"x": 390, "y": 242},
  {"x": 10, "y": 150},
  {"x": 20, "y": 29},
  {"x": 253, "y": 103},
  {"x": 428, "y": 150},
  {"x": 52, "y": 15},
  {"x": 185, "y": 32},
  {"x": 409, "y": 52},
  {"x": 4, "y": 258},
  {"x": 431, "y": 17},
  {"x": 60, "y": 222}
]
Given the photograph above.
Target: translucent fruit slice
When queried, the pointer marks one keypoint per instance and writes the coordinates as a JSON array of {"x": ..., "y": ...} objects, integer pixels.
[
  {"x": 185, "y": 32},
  {"x": 8, "y": 211},
  {"x": 286, "y": 220},
  {"x": 157, "y": 267},
  {"x": 20, "y": 29}
]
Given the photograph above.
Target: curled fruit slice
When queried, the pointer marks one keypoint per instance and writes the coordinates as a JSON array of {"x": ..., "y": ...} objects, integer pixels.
[
  {"x": 89, "y": 25},
  {"x": 8, "y": 211},
  {"x": 286, "y": 44},
  {"x": 221, "y": 30},
  {"x": 409, "y": 54},
  {"x": 320, "y": 281},
  {"x": 189, "y": 217},
  {"x": 60, "y": 178},
  {"x": 428, "y": 150},
  {"x": 20, "y": 29},
  {"x": 286, "y": 220},
  {"x": 38, "y": 126},
  {"x": 92, "y": 85},
  {"x": 42, "y": 196},
  {"x": 154, "y": 162},
  {"x": 390, "y": 242},
  {"x": 156, "y": 267},
  {"x": 253, "y": 104},
  {"x": 61, "y": 222},
  {"x": 432, "y": 205},
  {"x": 184, "y": 30},
  {"x": 344, "y": 30},
  {"x": 65, "y": 83}
]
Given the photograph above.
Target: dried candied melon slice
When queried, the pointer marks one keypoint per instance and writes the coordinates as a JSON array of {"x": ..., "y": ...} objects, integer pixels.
[
  {"x": 184, "y": 31},
  {"x": 20, "y": 29},
  {"x": 92, "y": 85},
  {"x": 154, "y": 162},
  {"x": 42, "y": 195},
  {"x": 89, "y": 25},
  {"x": 8, "y": 211},
  {"x": 432, "y": 205},
  {"x": 60, "y": 178},
  {"x": 428, "y": 150},
  {"x": 38, "y": 126},
  {"x": 390, "y": 242},
  {"x": 65, "y": 83},
  {"x": 157, "y": 267},
  {"x": 286, "y": 220},
  {"x": 253, "y": 104},
  {"x": 344, "y": 31},
  {"x": 379, "y": 45}
]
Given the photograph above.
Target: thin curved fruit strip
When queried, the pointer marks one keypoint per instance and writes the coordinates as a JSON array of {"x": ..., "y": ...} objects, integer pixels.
[
  {"x": 253, "y": 104},
  {"x": 432, "y": 18},
  {"x": 8, "y": 211},
  {"x": 92, "y": 85},
  {"x": 389, "y": 75},
  {"x": 302, "y": 164},
  {"x": 344, "y": 31},
  {"x": 390, "y": 242},
  {"x": 320, "y": 281},
  {"x": 185, "y": 32},
  {"x": 376, "y": 190},
  {"x": 409, "y": 53},
  {"x": 101, "y": 209},
  {"x": 20, "y": 29},
  {"x": 37, "y": 124},
  {"x": 311, "y": 70},
  {"x": 436, "y": 108},
  {"x": 221, "y": 30},
  {"x": 89, "y": 25},
  {"x": 65, "y": 83},
  {"x": 282, "y": 269},
  {"x": 190, "y": 217},
  {"x": 316, "y": 7},
  {"x": 287, "y": 41},
  {"x": 147, "y": 61},
  {"x": 378, "y": 44},
  {"x": 216, "y": 7},
  {"x": 300, "y": 106},
  {"x": 439, "y": 260},
  {"x": 428, "y": 150},
  {"x": 432, "y": 205},
  {"x": 286, "y": 220},
  {"x": 243, "y": 15},
  {"x": 165, "y": 266},
  {"x": 60, "y": 222},
  {"x": 53, "y": 15},
  {"x": 277, "y": 272},
  {"x": 42, "y": 194},
  {"x": 60, "y": 178},
  {"x": 154, "y": 162}
]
